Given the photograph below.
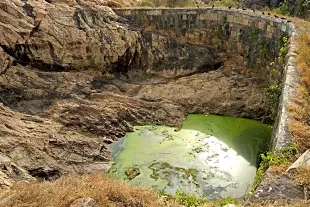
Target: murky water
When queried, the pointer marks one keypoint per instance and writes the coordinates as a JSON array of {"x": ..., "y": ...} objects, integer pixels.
[{"x": 211, "y": 156}]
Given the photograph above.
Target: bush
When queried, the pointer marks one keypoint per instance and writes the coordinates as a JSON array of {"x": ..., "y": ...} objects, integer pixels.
[
  {"x": 284, "y": 8},
  {"x": 147, "y": 3}
]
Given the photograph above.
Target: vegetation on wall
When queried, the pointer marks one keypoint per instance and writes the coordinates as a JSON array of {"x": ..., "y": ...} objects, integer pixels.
[
  {"x": 276, "y": 158},
  {"x": 274, "y": 89}
]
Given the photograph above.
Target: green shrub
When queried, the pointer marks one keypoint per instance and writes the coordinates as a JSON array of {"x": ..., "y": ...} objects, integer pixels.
[
  {"x": 284, "y": 8},
  {"x": 280, "y": 157}
]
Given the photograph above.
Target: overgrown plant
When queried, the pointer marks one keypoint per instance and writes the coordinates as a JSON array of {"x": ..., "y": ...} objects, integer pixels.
[
  {"x": 192, "y": 201},
  {"x": 274, "y": 89},
  {"x": 284, "y": 8},
  {"x": 183, "y": 199},
  {"x": 278, "y": 157}
]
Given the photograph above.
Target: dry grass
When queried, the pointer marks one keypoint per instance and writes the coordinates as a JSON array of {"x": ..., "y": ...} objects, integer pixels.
[
  {"x": 300, "y": 110},
  {"x": 61, "y": 193},
  {"x": 278, "y": 170},
  {"x": 302, "y": 176},
  {"x": 298, "y": 203}
]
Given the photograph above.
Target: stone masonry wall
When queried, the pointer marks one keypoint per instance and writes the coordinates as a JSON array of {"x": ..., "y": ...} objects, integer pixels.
[{"x": 252, "y": 35}]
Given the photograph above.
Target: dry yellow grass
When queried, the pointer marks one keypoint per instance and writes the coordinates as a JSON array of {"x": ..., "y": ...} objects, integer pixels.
[
  {"x": 300, "y": 110},
  {"x": 61, "y": 193},
  {"x": 281, "y": 204},
  {"x": 303, "y": 176}
]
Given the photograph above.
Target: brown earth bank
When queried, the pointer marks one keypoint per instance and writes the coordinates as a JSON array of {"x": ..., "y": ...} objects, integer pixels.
[{"x": 75, "y": 77}]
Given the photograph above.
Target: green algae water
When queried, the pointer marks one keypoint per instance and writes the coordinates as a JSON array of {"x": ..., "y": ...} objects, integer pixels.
[{"x": 211, "y": 157}]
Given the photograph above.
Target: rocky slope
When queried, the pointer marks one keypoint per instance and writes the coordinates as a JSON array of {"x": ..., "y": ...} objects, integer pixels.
[{"x": 74, "y": 77}]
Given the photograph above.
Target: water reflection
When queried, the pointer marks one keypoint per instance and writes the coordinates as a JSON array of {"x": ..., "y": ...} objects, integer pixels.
[{"x": 202, "y": 158}]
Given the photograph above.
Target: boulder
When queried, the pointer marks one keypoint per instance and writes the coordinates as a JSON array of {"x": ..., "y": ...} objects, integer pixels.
[
  {"x": 302, "y": 161},
  {"x": 84, "y": 202}
]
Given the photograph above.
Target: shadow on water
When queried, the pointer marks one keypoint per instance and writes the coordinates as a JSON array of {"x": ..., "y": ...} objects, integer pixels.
[
  {"x": 211, "y": 156},
  {"x": 247, "y": 137}
]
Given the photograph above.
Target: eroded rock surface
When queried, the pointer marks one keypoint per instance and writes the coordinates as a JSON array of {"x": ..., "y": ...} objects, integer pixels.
[
  {"x": 10, "y": 172},
  {"x": 59, "y": 37},
  {"x": 74, "y": 77}
]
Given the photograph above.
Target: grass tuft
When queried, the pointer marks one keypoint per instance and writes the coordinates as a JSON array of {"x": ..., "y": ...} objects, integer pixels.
[
  {"x": 63, "y": 192},
  {"x": 300, "y": 110}
]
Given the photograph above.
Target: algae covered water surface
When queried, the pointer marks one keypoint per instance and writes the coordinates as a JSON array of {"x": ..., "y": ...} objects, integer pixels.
[{"x": 211, "y": 156}]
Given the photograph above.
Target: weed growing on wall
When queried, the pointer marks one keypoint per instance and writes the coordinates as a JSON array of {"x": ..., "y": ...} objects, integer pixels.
[
  {"x": 278, "y": 157},
  {"x": 274, "y": 89}
]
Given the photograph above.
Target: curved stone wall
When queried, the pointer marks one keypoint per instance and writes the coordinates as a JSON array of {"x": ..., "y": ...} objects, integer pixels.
[
  {"x": 252, "y": 35},
  {"x": 255, "y": 37}
]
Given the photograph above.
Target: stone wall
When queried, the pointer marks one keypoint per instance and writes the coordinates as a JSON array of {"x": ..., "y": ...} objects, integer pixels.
[{"x": 254, "y": 36}]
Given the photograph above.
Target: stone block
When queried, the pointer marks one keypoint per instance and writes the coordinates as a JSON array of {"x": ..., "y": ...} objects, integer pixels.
[
  {"x": 261, "y": 25},
  {"x": 269, "y": 29},
  {"x": 126, "y": 12},
  {"x": 283, "y": 27},
  {"x": 154, "y": 12},
  {"x": 245, "y": 21},
  {"x": 230, "y": 18},
  {"x": 191, "y": 12}
]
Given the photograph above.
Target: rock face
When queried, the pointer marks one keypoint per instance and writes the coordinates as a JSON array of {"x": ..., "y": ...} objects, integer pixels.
[
  {"x": 11, "y": 172},
  {"x": 75, "y": 77},
  {"x": 164, "y": 53},
  {"x": 59, "y": 38}
]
